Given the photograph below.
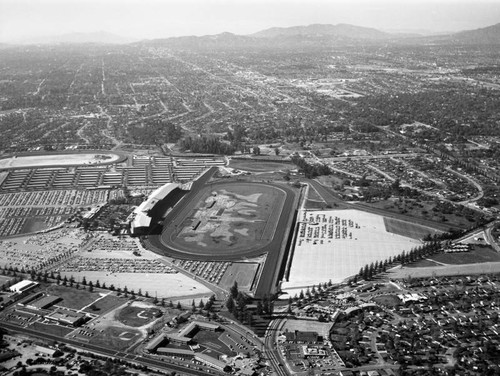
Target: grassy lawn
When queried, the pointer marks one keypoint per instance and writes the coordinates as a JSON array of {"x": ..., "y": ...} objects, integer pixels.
[
  {"x": 387, "y": 300},
  {"x": 423, "y": 210},
  {"x": 106, "y": 304},
  {"x": 116, "y": 338},
  {"x": 477, "y": 255},
  {"x": 73, "y": 298},
  {"x": 57, "y": 330},
  {"x": 422, "y": 264}
]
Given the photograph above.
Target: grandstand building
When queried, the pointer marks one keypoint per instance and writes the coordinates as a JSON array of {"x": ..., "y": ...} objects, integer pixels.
[{"x": 145, "y": 214}]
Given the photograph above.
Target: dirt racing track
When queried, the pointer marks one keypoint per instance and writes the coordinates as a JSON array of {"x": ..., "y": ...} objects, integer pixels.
[{"x": 227, "y": 221}]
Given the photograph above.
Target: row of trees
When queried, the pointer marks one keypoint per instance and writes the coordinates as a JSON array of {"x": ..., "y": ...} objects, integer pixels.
[{"x": 369, "y": 271}]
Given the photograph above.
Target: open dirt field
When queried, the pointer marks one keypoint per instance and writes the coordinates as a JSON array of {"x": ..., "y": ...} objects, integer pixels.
[
  {"x": 163, "y": 285},
  {"x": 58, "y": 160},
  {"x": 336, "y": 244}
]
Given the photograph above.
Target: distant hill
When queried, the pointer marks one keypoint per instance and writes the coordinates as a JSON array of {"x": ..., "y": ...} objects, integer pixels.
[
  {"x": 321, "y": 35},
  {"x": 218, "y": 40},
  {"x": 321, "y": 30},
  {"x": 486, "y": 35},
  {"x": 99, "y": 37},
  {"x": 297, "y": 36}
]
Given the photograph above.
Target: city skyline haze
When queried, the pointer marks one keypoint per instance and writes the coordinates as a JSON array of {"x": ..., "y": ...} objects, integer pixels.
[{"x": 24, "y": 20}]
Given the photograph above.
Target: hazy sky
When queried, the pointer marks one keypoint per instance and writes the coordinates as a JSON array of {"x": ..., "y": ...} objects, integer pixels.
[{"x": 163, "y": 18}]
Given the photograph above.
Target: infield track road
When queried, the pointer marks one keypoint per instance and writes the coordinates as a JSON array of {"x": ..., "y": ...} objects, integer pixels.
[{"x": 158, "y": 244}]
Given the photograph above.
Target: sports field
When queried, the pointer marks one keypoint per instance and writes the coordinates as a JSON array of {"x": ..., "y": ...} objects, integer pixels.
[
  {"x": 58, "y": 160},
  {"x": 336, "y": 244},
  {"x": 137, "y": 314},
  {"x": 227, "y": 219}
]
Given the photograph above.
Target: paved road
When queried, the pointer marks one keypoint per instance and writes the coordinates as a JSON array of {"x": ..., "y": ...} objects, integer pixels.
[{"x": 271, "y": 349}]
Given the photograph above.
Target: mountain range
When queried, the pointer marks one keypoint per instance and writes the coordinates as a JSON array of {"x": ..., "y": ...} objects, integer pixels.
[
  {"x": 310, "y": 35},
  {"x": 328, "y": 35}
]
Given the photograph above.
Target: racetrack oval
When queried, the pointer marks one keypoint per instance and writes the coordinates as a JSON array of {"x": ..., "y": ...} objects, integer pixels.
[{"x": 226, "y": 221}]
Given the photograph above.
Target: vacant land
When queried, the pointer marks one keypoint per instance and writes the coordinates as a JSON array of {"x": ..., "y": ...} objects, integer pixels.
[
  {"x": 387, "y": 300},
  {"x": 407, "y": 229}
]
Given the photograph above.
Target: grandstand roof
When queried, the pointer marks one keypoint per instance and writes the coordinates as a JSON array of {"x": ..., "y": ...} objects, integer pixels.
[
  {"x": 140, "y": 214},
  {"x": 141, "y": 220},
  {"x": 155, "y": 196}
]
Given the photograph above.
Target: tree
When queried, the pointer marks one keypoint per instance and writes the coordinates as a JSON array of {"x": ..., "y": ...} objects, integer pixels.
[
  {"x": 259, "y": 309},
  {"x": 230, "y": 304},
  {"x": 233, "y": 291}
]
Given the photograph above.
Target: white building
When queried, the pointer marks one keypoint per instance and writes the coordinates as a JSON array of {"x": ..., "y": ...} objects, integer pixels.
[
  {"x": 140, "y": 218},
  {"x": 23, "y": 286}
]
